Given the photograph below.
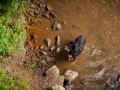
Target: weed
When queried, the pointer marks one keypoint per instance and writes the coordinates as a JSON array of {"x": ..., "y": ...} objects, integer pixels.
[
  {"x": 8, "y": 83},
  {"x": 12, "y": 30},
  {"x": 57, "y": 87},
  {"x": 34, "y": 64},
  {"x": 21, "y": 83},
  {"x": 5, "y": 81}
]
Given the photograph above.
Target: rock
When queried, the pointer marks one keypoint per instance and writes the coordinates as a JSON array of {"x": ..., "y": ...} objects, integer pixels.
[
  {"x": 100, "y": 74},
  {"x": 53, "y": 54},
  {"x": 46, "y": 28},
  {"x": 57, "y": 50},
  {"x": 118, "y": 78},
  {"x": 107, "y": 87},
  {"x": 117, "y": 83},
  {"x": 111, "y": 82},
  {"x": 57, "y": 87},
  {"x": 46, "y": 15},
  {"x": 64, "y": 22},
  {"x": 68, "y": 86},
  {"x": 36, "y": 12},
  {"x": 52, "y": 48},
  {"x": 32, "y": 6},
  {"x": 53, "y": 15},
  {"x": 57, "y": 40},
  {"x": 34, "y": 38},
  {"x": 48, "y": 42},
  {"x": 49, "y": 59},
  {"x": 70, "y": 75},
  {"x": 53, "y": 78},
  {"x": 41, "y": 63},
  {"x": 41, "y": 47},
  {"x": 31, "y": 13},
  {"x": 40, "y": 5},
  {"x": 48, "y": 8},
  {"x": 53, "y": 72},
  {"x": 43, "y": 52},
  {"x": 31, "y": 45},
  {"x": 56, "y": 26}
]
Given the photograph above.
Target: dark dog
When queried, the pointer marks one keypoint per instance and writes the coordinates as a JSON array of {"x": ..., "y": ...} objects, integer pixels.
[{"x": 76, "y": 47}]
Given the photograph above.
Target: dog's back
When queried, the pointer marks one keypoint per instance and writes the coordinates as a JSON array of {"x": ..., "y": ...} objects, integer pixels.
[
  {"x": 80, "y": 43},
  {"x": 76, "y": 47},
  {"x": 79, "y": 46}
]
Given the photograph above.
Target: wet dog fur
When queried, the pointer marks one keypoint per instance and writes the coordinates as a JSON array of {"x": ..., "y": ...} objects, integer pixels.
[{"x": 76, "y": 47}]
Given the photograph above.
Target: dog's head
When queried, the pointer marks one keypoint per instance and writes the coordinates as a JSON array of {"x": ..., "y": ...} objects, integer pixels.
[{"x": 67, "y": 48}]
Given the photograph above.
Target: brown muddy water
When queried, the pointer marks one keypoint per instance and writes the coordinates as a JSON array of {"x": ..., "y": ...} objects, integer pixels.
[{"x": 99, "y": 21}]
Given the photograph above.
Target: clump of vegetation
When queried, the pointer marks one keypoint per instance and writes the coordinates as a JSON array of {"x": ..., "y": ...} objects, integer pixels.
[
  {"x": 8, "y": 83},
  {"x": 5, "y": 81},
  {"x": 21, "y": 83},
  {"x": 12, "y": 30}
]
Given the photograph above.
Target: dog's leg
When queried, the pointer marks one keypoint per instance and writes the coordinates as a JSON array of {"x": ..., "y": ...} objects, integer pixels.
[
  {"x": 73, "y": 62},
  {"x": 68, "y": 58}
]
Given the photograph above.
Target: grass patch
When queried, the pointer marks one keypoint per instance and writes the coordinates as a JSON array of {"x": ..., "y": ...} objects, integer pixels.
[
  {"x": 12, "y": 33},
  {"x": 8, "y": 83}
]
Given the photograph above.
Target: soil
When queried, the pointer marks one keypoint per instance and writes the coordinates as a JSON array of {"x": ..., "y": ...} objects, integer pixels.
[
  {"x": 36, "y": 57},
  {"x": 30, "y": 62}
]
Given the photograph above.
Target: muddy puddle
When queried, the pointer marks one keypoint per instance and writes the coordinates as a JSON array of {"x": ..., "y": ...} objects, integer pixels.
[{"x": 99, "y": 21}]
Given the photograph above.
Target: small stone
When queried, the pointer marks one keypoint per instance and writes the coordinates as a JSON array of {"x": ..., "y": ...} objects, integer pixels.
[
  {"x": 43, "y": 52},
  {"x": 53, "y": 54},
  {"x": 57, "y": 40},
  {"x": 48, "y": 7},
  {"x": 34, "y": 38},
  {"x": 57, "y": 50},
  {"x": 32, "y": 6},
  {"x": 36, "y": 12},
  {"x": 46, "y": 15},
  {"x": 59, "y": 26},
  {"x": 31, "y": 45},
  {"x": 49, "y": 59},
  {"x": 48, "y": 42},
  {"x": 111, "y": 81},
  {"x": 41, "y": 63},
  {"x": 107, "y": 87},
  {"x": 70, "y": 75},
  {"x": 41, "y": 47},
  {"x": 118, "y": 78},
  {"x": 53, "y": 15},
  {"x": 56, "y": 26},
  {"x": 64, "y": 22},
  {"x": 52, "y": 49},
  {"x": 46, "y": 28},
  {"x": 68, "y": 86}
]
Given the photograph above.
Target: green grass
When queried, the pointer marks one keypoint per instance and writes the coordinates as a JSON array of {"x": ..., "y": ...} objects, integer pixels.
[
  {"x": 57, "y": 87},
  {"x": 12, "y": 33},
  {"x": 5, "y": 81},
  {"x": 8, "y": 83}
]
